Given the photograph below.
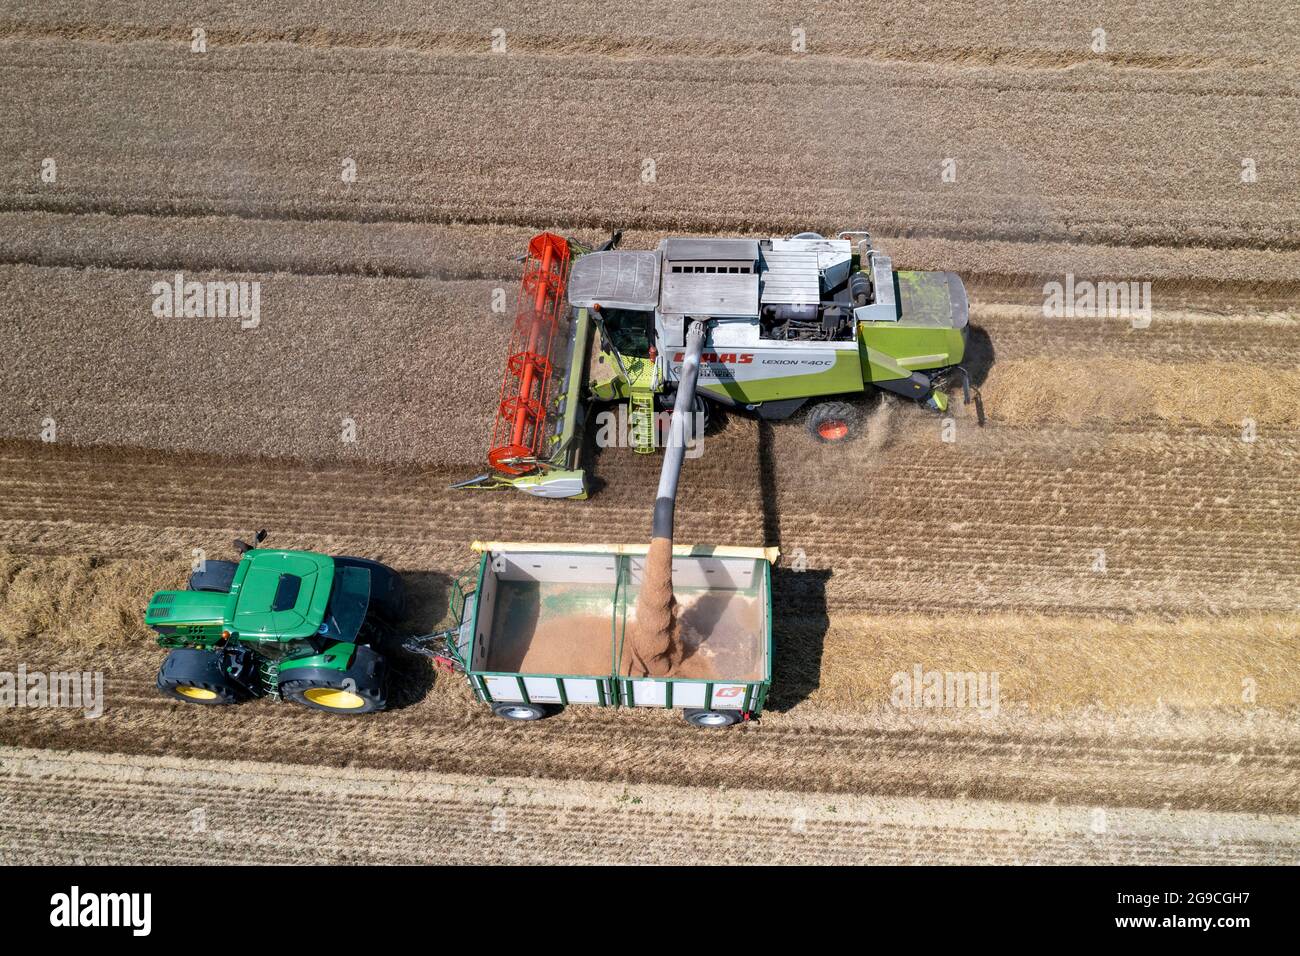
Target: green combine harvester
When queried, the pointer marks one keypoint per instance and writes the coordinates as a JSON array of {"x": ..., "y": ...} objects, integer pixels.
[
  {"x": 292, "y": 625},
  {"x": 800, "y": 324}
]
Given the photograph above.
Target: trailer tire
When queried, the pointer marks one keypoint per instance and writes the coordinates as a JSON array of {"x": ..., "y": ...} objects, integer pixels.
[
  {"x": 520, "y": 711},
  {"x": 197, "y": 677},
  {"x": 833, "y": 423},
  {"x": 215, "y": 576},
  {"x": 699, "y": 717}
]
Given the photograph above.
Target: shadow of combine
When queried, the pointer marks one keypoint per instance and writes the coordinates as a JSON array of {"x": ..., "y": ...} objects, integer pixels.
[
  {"x": 979, "y": 357},
  {"x": 412, "y": 676},
  {"x": 799, "y": 628},
  {"x": 799, "y": 618}
]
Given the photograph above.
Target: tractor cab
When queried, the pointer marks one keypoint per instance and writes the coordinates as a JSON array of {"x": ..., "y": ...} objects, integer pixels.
[{"x": 281, "y": 595}]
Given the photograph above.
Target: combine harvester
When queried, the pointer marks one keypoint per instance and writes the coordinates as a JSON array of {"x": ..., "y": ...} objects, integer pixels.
[{"x": 805, "y": 322}]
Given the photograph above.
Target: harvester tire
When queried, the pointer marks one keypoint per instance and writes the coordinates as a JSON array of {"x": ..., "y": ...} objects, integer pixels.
[
  {"x": 197, "y": 677},
  {"x": 710, "y": 718},
  {"x": 832, "y": 423},
  {"x": 699, "y": 406},
  {"x": 334, "y": 696},
  {"x": 520, "y": 711}
]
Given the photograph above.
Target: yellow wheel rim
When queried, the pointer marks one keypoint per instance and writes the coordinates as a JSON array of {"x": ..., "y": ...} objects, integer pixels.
[
  {"x": 334, "y": 698},
  {"x": 195, "y": 693}
]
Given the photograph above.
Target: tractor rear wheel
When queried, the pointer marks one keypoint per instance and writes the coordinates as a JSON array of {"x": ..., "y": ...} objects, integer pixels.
[
  {"x": 832, "y": 423},
  {"x": 335, "y": 697},
  {"x": 198, "y": 677},
  {"x": 519, "y": 711}
]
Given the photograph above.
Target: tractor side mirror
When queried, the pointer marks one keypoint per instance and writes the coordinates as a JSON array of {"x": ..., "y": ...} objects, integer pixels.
[{"x": 241, "y": 546}]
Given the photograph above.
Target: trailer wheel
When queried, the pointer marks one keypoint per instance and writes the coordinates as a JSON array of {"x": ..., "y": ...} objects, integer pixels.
[
  {"x": 710, "y": 718},
  {"x": 832, "y": 423},
  {"x": 197, "y": 677},
  {"x": 519, "y": 711}
]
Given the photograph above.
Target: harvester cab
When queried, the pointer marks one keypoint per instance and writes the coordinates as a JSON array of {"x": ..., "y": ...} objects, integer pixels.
[
  {"x": 295, "y": 625},
  {"x": 792, "y": 323}
]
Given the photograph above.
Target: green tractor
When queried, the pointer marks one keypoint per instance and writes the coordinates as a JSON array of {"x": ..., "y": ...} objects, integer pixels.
[{"x": 291, "y": 625}]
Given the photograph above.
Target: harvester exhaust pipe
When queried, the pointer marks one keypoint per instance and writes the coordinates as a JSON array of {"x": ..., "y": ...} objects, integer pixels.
[{"x": 666, "y": 499}]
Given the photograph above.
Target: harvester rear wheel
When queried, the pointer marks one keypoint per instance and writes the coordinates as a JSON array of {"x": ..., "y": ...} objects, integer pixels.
[
  {"x": 335, "y": 697},
  {"x": 833, "y": 422}
]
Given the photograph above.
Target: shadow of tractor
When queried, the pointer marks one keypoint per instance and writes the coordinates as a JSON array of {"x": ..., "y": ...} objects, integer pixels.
[{"x": 412, "y": 676}]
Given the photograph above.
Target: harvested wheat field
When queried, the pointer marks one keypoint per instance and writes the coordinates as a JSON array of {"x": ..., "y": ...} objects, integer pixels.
[{"x": 1117, "y": 545}]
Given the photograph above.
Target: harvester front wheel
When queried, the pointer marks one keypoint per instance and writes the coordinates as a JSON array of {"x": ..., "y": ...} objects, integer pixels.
[
  {"x": 340, "y": 697},
  {"x": 832, "y": 423}
]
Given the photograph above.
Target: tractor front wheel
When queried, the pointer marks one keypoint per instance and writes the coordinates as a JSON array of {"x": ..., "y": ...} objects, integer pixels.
[
  {"x": 833, "y": 423},
  {"x": 335, "y": 697},
  {"x": 198, "y": 677},
  {"x": 214, "y": 576}
]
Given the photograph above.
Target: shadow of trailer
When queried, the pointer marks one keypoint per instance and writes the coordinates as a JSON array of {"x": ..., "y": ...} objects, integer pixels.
[{"x": 538, "y": 627}]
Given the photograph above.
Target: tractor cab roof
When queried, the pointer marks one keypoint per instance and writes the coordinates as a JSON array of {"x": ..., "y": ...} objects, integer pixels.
[{"x": 281, "y": 594}]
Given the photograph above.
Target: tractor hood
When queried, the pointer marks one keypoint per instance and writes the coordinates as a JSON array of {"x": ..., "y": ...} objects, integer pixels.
[{"x": 175, "y": 608}]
